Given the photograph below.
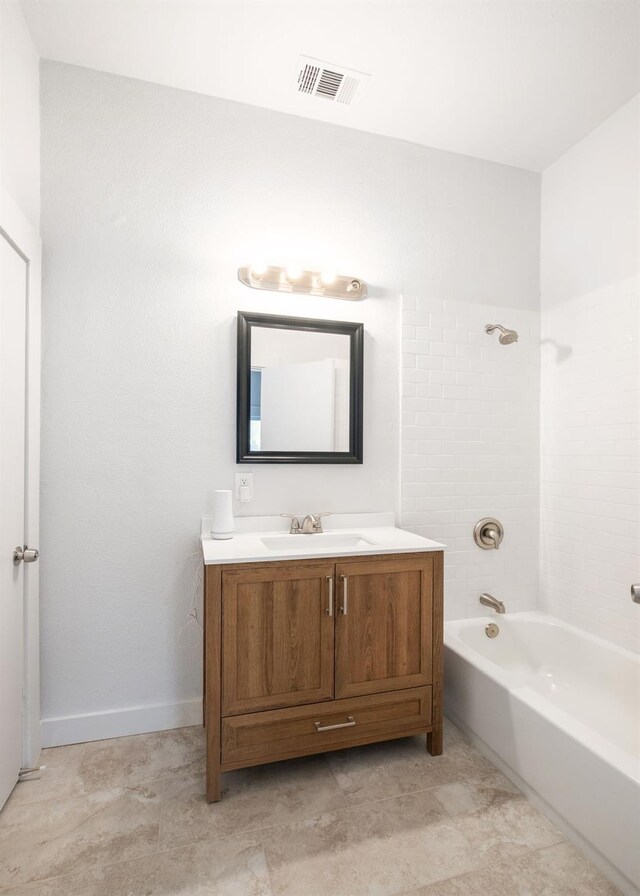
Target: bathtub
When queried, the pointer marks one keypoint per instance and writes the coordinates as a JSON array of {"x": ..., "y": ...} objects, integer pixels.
[{"x": 559, "y": 710}]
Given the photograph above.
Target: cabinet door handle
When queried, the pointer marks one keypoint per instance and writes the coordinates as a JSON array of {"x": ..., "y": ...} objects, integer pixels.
[
  {"x": 345, "y": 595},
  {"x": 348, "y": 724},
  {"x": 329, "y": 610}
]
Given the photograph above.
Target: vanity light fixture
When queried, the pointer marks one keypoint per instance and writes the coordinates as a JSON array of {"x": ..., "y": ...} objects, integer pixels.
[
  {"x": 310, "y": 283},
  {"x": 294, "y": 273}
]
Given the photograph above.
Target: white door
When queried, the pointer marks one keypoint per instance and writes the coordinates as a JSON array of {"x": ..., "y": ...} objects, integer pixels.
[
  {"x": 297, "y": 407},
  {"x": 13, "y": 331}
]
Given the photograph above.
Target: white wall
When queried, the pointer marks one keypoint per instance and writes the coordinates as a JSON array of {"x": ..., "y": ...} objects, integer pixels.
[
  {"x": 152, "y": 197},
  {"x": 590, "y": 518},
  {"x": 19, "y": 113},
  {"x": 273, "y": 348},
  {"x": 470, "y": 438}
]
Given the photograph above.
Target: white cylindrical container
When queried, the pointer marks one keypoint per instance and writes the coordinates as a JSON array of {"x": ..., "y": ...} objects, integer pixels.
[{"x": 222, "y": 516}]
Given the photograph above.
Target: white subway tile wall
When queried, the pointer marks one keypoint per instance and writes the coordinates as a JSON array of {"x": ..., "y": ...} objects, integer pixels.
[
  {"x": 471, "y": 446},
  {"x": 590, "y": 464}
]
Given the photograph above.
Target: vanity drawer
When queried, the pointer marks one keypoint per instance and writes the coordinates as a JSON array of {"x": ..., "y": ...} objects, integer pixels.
[{"x": 267, "y": 736}]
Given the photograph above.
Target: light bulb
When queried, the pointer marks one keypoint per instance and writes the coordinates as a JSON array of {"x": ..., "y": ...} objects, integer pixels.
[
  {"x": 293, "y": 273},
  {"x": 327, "y": 278},
  {"x": 258, "y": 269}
]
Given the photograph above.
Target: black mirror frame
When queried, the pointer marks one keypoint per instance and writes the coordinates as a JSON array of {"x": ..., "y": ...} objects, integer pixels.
[{"x": 355, "y": 331}]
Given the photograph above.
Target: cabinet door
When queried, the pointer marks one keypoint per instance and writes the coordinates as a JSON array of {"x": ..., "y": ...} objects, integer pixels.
[
  {"x": 383, "y": 626},
  {"x": 278, "y": 635}
]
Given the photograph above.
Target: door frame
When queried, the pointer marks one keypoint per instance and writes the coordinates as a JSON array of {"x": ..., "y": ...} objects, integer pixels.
[{"x": 24, "y": 238}]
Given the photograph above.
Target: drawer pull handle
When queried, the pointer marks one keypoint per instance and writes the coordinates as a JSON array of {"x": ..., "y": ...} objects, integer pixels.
[
  {"x": 329, "y": 610},
  {"x": 348, "y": 724},
  {"x": 345, "y": 596}
]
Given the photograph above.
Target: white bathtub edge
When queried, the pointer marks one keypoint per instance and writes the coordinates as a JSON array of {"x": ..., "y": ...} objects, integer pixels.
[
  {"x": 585, "y": 846},
  {"x": 574, "y": 728}
]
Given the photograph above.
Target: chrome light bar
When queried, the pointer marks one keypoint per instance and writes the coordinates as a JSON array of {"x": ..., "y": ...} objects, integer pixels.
[{"x": 310, "y": 283}]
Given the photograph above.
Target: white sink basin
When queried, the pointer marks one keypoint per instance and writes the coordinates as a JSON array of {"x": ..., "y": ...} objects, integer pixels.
[{"x": 320, "y": 542}]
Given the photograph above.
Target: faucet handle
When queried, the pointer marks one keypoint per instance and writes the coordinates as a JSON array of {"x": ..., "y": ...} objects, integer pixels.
[
  {"x": 491, "y": 534},
  {"x": 295, "y": 523},
  {"x": 317, "y": 525},
  {"x": 488, "y": 534}
]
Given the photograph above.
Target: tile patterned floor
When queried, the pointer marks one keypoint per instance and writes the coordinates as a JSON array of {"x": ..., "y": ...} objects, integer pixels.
[{"x": 127, "y": 817}]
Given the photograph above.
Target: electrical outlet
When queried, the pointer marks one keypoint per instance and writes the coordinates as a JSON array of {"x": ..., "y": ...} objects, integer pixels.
[{"x": 244, "y": 487}]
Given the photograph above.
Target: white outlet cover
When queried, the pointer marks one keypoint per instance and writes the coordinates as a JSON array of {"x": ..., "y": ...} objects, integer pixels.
[{"x": 244, "y": 479}]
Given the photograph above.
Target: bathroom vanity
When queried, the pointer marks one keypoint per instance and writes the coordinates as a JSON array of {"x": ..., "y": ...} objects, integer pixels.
[{"x": 319, "y": 642}]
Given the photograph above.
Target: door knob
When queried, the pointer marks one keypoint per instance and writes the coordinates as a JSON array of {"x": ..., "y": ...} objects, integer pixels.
[{"x": 29, "y": 555}]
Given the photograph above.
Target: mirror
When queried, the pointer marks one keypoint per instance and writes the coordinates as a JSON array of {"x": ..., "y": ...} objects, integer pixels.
[{"x": 299, "y": 390}]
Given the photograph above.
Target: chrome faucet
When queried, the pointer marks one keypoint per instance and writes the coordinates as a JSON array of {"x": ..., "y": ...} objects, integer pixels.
[
  {"x": 295, "y": 523},
  {"x": 488, "y": 600},
  {"x": 311, "y": 525}
]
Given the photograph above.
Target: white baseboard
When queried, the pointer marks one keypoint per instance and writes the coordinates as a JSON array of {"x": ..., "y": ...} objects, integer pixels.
[{"x": 78, "y": 729}]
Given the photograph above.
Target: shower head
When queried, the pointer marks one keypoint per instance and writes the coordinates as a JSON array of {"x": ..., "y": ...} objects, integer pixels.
[{"x": 506, "y": 336}]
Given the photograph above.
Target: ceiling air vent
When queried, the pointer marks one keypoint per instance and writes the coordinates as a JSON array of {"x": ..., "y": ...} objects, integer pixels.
[{"x": 331, "y": 82}]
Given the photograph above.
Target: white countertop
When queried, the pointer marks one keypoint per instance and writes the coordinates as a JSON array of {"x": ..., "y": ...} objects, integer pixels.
[{"x": 378, "y": 535}]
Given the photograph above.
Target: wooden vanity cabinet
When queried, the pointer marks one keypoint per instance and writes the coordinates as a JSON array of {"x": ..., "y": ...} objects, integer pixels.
[
  {"x": 278, "y": 638},
  {"x": 305, "y": 656}
]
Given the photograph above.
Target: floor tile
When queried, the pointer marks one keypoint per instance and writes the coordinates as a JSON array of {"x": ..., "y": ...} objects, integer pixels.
[
  {"x": 377, "y": 771},
  {"x": 128, "y": 817},
  {"x": 506, "y": 830},
  {"x": 230, "y": 867},
  {"x": 59, "y": 778},
  {"x": 361, "y": 771},
  {"x": 145, "y": 757},
  {"x": 252, "y": 799},
  {"x": 376, "y": 849},
  {"x": 57, "y": 837},
  {"x": 554, "y": 871},
  {"x": 476, "y": 794}
]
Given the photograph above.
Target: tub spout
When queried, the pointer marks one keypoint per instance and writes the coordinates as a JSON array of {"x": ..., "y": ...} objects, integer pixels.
[{"x": 488, "y": 600}]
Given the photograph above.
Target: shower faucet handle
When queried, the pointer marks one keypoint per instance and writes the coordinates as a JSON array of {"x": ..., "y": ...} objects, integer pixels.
[
  {"x": 488, "y": 534},
  {"x": 491, "y": 534}
]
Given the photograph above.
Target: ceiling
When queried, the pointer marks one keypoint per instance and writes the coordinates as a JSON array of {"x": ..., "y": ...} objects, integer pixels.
[{"x": 514, "y": 81}]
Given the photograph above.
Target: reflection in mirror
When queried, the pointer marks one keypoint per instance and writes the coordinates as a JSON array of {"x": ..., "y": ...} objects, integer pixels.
[
  {"x": 299, "y": 390},
  {"x": 299, "y": 396}
]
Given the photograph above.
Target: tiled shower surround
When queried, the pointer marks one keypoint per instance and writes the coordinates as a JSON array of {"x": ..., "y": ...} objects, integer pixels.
[
  {"x": 590, "y": 477},
  {"x": 471, "y": 446}
]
